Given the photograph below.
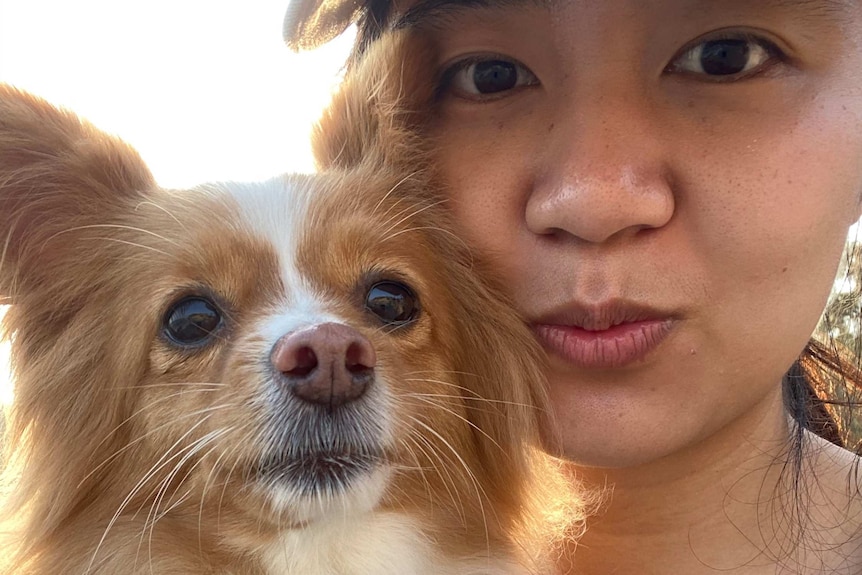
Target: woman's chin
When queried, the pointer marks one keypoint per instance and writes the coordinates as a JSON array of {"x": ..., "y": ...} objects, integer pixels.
[{"x": 645, "y": 420}]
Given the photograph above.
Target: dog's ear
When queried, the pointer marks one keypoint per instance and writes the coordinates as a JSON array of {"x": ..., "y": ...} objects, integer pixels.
[
  {"x": 380, "y": 109},
  {"x": 58, "y": 173}
]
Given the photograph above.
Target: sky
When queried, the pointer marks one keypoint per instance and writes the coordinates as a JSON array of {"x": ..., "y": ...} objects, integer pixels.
[{"x": 204, "y": 90}]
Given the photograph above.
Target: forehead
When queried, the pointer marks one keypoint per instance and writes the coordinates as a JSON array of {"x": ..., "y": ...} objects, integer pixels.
[
  {"x": 274, "y": 213},
  {"x": 292, "y": 240},
  {"x": 219, "y": 239}
]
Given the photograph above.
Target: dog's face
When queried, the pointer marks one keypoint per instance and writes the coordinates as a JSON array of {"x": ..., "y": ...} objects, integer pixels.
[
  {"x": 264, "y": 355},
  {"x": 300, "y": 337}
]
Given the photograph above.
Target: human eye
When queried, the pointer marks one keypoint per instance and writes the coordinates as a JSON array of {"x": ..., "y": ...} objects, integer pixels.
[
  {"x": 485, "y": 77},
  {"x": 726, "y": 57}
]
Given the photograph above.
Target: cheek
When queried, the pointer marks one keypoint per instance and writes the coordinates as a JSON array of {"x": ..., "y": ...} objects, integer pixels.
[
  {"x": 175, "y": 403},
  {"x": 768, "y": 238},
  {"x": 488, "y": 179},
  {"x": 420, "y": 390},
  {"x": 781, "y": 220},
  {"x": 218, "y": 390}
]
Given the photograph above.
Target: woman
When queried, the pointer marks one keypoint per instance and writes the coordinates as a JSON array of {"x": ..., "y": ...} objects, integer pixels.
[{"x": 666, "y": 186}]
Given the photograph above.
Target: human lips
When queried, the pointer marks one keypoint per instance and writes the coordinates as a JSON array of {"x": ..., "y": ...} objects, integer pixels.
[{"x": 611, "y": 335}]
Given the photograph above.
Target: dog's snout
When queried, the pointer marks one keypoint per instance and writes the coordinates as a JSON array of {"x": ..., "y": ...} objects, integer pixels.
[{"x": 329, "y": 364}]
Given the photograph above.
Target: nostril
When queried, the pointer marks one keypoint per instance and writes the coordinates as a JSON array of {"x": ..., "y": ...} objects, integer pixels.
[
  {"x": 296, "y": 359},
  {"x": 305, "y": 361},
  {"x": 360, "y": 357}
]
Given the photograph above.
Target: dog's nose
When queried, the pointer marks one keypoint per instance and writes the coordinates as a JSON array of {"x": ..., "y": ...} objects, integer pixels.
[{"x": 329, "y": 364}]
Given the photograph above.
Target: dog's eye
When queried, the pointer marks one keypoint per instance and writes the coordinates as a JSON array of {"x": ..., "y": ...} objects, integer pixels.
[
  {"x": 192, "y": 321},
  {"x": 392, "y": 302}
]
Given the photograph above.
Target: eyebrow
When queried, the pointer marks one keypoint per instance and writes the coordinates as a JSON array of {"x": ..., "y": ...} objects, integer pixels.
[
  {"x": 817, "y": 5},
  {"x": 816, "y": 9},
  {"x": 435, "y": 12}
]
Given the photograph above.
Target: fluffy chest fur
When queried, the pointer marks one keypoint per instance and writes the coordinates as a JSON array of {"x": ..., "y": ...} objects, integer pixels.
[{"x": 374, "y": 544}]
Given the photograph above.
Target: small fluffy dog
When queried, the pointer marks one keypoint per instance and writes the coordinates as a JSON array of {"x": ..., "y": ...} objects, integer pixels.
[{"x": 306, "y": 375}]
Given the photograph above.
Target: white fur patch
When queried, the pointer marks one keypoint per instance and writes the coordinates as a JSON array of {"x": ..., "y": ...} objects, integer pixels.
[
  {"x": 370, "y": 544},
  {"x": 363, "y": 496},
  {"x": 366, "y": 544},
  {"x": 276, "y": 211}
]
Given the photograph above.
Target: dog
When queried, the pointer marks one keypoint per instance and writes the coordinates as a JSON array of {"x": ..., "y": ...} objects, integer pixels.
[{"x": 306, "y": 375}]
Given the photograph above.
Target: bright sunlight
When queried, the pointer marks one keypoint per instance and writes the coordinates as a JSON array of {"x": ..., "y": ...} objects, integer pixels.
[{"x": 204, "y": 90}]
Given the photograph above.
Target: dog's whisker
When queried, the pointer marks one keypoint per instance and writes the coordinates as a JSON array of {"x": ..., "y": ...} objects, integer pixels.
[
  {"x": 466, "y": 398},
  {"x": 414, "y": 229},
  {"x": 157, "y": 491},
  {"x": 196, "y": 385},
  {"x": 404, "y": 497},
  {"x": 152, "y": 431},
  {"x": 195, "y": 448},
  {"x": 118, "y": 227},
  {"x": 386, "y": 223},
  {"x": 214, "y": 469},
  {"x": 406, "y": 443},
  {"x": 453, "y": 413},
  {"x": 141, "y": 410},
  {"x": 481, "y": 494},
  {"x": 391, "y": 235},
  {"x": 442, "y": 470},
  {"x": 392, "y": 215},
  {"x": 412, "y": 215},
  {"x": 390, "y": 192},
  {"x": 163, "y": 460},
  {"x": 474, "y": 395},
  {"x": 163, "y": 209},
  {"x": 227, "y": 483},
  {"x": 153, "y": 516},
  {"x": 132, "y": 244}
]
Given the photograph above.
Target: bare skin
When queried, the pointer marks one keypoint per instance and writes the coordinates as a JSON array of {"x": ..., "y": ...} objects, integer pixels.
[{"x": 667, "y": 188}]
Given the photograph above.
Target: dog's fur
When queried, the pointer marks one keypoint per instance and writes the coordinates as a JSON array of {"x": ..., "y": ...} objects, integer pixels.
[{"x": 131, "y": 454}]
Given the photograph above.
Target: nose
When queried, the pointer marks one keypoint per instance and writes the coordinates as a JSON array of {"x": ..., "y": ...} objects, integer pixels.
[
  {"x": 604, "y": 174},
  {"x": 327, "y": 364}
]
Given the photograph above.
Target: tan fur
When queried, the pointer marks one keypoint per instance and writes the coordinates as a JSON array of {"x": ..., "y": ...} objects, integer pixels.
[{"x": 92, "y": 252}]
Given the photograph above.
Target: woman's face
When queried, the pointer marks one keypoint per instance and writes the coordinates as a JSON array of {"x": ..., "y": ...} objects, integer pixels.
[{"x": 666, "y": 187}]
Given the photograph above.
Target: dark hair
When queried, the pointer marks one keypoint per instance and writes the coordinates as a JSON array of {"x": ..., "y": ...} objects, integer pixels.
[{"x": 370, "y": 26}]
